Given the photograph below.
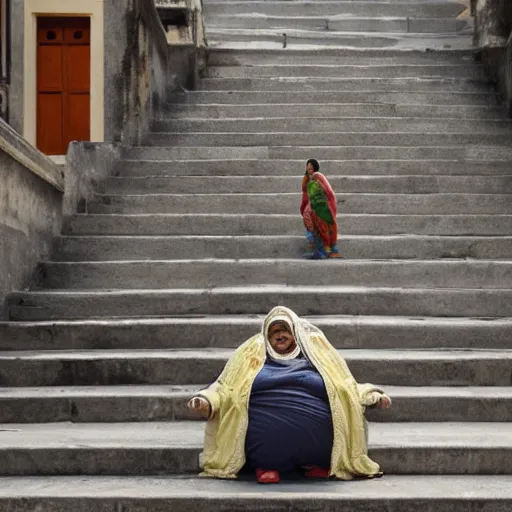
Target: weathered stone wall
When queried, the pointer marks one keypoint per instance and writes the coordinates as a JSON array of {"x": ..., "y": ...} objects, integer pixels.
[
  {"x": 187, "y": 43},
  {"x": 493, "y": 22},
  {"x": 493, "y": 40},
  {"x": 30, "y": 210},
  {"x": 138, "y": 63},
  {"x": 88, "y": 164},
  {"x": 17, "y": 60},
  {"x": 136, "y": 66}
]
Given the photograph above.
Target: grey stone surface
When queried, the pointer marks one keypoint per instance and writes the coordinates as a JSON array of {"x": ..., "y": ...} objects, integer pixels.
[
  {"x": 349, "y": 24},
  {"x": 136, "y": 65},
  {"x": 319, "y": 110},
  {"x": 117, "y": 16},
  {"x": 275, "y": 124},
  {"x": 259, "y": 169},
  {"x": 333, "y": 96},
  {"x": 408, "y": 246},
  {"x": 473, "y": 152},
  {"x": 165, "y": 403},
  {"x": 192, "y": 367},
  {"x": 454, "y": 41},
  {"x": 206, "y": 273},
  {"x": 259, "y": 224},
  {"x": 493, "y": 26},
  {"x": 325, "y": 55},
  {"x": 30, "y": 215},
  {"x": 368, "y": 332},
  {"x": 493, "y": 23},
  {"x": 186, "y": 153},
  {"x": 16, "y": 88},
  {"x": 358, "y": 202},
  {"x": 163, "y": 448},
  {"x": 304, "y": 300},
  {"x": 404, "y": 493},
  {"x": 416, "y": 9},
  {"x": 395, "y": 186},
  {"x": 340, "y": 84},
  {"x": 330, "y": 139},
  {"x": 87, "y": 167},
  {"x": 297, "y": 37}
]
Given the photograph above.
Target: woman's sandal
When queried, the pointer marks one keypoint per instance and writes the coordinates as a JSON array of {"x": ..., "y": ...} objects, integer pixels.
[
  {"x": 267, "y": 476},
  {"x": 316, "y": 472}
]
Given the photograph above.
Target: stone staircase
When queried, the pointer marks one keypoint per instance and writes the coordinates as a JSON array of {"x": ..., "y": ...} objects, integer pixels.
[
  {"x": 355, "y": 23},
  {"x": 198, "y": 235}
]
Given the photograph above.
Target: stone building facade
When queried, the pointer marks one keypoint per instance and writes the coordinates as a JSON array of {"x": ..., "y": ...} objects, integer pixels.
[{"x": 77, "y": 79}]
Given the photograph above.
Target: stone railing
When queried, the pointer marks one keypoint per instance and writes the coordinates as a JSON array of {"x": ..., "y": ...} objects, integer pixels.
[
  {"x": 184, "y": 25},
  {"x": 30, "y": 210},
  {"x": 183, "y": 21}
]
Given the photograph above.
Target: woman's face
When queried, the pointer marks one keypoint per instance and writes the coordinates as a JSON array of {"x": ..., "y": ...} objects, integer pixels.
[
  {"x": 280, "y": 337},
  {"x": 310, "y": 169}
]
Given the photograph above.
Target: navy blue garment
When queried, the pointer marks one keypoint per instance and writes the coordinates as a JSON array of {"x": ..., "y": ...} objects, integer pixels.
[{"x": 290, "y": 422}]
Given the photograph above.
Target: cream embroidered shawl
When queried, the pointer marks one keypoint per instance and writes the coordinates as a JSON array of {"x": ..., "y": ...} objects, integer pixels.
[{"x": 224, "y": 445}]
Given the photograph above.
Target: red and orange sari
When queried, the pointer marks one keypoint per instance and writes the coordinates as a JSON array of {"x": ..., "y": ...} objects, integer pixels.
[{"x": 318, "y": 210}]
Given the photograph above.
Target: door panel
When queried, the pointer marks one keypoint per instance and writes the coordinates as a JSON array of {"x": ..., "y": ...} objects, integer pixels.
[
  {"x": 78, "y": 107},
  {"x": 78, "y": 68},
  {"x": 63, "y": 82},
  {"x": 49, "y": 69},
  {"x": 49, "y": 107}
]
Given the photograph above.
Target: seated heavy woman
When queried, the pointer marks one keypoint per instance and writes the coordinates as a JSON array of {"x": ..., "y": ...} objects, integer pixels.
[{"x": 286, "y": 400}]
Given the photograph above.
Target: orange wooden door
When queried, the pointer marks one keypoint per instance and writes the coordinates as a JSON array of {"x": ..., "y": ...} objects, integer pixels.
[{"x": 63, "y": 83}]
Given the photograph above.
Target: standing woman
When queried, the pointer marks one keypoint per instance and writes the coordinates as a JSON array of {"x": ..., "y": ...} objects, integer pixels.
[{"x": 318, "y": 210}]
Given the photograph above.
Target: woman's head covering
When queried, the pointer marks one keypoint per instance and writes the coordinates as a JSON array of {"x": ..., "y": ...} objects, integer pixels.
[
  {"x": 282, "y": 314},
  {"x": 314, "y": 163}
]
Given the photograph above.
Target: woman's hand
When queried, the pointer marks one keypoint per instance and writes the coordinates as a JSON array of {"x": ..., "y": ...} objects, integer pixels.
[
  {"x": 200, "y": 405},
  {"x": 384, "y": 402}
]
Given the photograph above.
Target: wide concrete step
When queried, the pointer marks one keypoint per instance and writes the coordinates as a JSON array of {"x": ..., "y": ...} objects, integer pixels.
[
  {"x": 415, "y": 9},
  {"x": 395, "y": 24},
  {"x": 258, "y": 299},
  {"x": 446, "y": 493},
  {"x": 233, "y": 202},
  {"x": 224, "y": 272},
  {"x": 336, "y": 56},
  {"x": 275, "y": 124},
  {"x": 108, "y": 248},
  {"x": 249, "y": 198},
  {"x": 298, "y": 36},
  {"x": 103, "y": 404},
  {"x": 328, "y": 110},
  {"x": 320, "y": 83},
  {"x": 190, "y": 367},
  {"x": 348, "y": 332},
  {"x": 270, "y": 224},
  {"x": 330, "y": 140},
  {"x": 190, "y": 173},
  {"x": 174, "y": 447},
  {"x": 357, "y": 95},
  {"x": 473, "y": 152}
]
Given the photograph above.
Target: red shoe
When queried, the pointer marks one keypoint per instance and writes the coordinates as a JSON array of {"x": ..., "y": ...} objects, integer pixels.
[
  {"x": 316, "y": 472},
  {"x": 267, "y": 476}
]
